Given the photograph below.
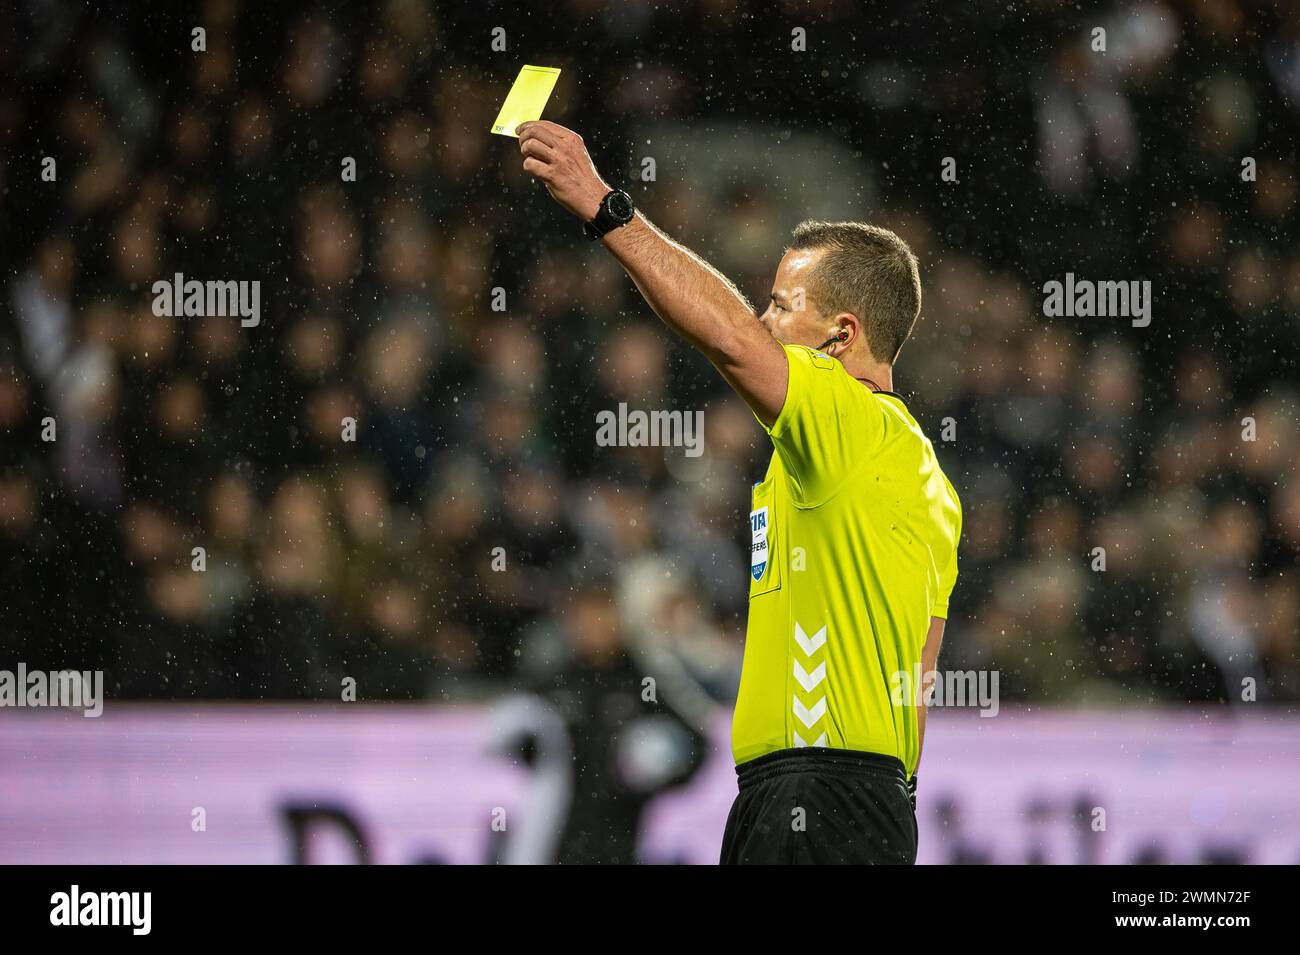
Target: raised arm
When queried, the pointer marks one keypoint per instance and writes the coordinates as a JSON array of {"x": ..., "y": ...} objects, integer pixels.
[{"x": 689, "y": 295}]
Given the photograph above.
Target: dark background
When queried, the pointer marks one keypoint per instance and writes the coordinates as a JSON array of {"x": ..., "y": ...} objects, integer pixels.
[{"x": 372, "y": 560}]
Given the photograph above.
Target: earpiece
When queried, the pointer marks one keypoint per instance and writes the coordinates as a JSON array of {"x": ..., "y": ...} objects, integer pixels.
[{"x": 843, "y": 336}]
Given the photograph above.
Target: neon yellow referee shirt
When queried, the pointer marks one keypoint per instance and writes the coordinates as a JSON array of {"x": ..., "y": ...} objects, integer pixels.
[{"x": 854, "y": 535}]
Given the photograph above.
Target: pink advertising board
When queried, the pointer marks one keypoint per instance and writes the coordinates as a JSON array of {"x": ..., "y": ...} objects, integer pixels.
[{"x": 238, "y": 783}]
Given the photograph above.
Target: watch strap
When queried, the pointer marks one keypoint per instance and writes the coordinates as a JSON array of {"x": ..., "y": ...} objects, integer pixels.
[{"x": 602, "y": 222}]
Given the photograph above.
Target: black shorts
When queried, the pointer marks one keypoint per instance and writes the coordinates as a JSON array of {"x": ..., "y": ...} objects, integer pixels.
[{"x": 821, "y": 806}]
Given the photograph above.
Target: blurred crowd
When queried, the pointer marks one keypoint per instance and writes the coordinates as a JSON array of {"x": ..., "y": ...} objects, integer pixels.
[{"x": 474, "y": 537}]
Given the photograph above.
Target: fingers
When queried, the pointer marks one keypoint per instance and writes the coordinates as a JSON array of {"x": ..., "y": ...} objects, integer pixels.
[
  {"x": 539, "y": 150},
  {"x": 535, "y": 167},
  {"x": 538, "y": 157},
  {"x": 541, "y": 130}
]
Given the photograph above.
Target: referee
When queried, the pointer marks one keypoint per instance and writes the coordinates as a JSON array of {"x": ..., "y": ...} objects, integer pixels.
[{"x": 853, "y": 529}]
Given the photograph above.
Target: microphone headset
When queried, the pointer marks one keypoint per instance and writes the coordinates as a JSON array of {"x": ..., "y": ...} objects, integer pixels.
[{"x": 843, "y": 336}]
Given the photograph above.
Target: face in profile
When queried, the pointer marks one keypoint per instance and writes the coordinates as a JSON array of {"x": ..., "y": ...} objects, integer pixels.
[{"x": 791, "y": 316}]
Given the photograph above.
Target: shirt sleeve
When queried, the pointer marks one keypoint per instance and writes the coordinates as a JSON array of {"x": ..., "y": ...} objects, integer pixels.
[
  {"x": 947, "y": 581},
  {"x": 948, "y": 575},
  {"x": 827, "y": 427}
]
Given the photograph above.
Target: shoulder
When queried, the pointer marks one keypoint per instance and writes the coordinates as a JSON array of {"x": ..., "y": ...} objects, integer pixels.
[
  {"x": 818, "y": 371},
  {"x": 811, "y": 357},
  {"x": 819, "y": 387}
]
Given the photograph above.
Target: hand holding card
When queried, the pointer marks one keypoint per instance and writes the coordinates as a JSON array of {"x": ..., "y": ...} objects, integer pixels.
[{"x": 558, "y": 158}]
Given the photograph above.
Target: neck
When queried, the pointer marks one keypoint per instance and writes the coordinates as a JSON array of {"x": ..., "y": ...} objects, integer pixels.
[{"x": 873, "y": 374}]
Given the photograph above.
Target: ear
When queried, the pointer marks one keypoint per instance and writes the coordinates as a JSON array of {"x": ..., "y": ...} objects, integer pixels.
[{"x": 848, "y": 328}]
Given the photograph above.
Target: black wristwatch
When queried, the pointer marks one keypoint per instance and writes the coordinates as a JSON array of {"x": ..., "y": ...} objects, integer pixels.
[{"x": 615, "y": 210}]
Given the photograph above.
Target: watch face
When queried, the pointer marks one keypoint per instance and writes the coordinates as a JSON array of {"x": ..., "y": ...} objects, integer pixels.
[{"x": 619, "y": 205}]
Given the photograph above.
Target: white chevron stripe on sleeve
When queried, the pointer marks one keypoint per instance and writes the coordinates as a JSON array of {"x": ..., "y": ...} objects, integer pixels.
[
  {"x": 809, "y": 645},
  {"x": 809, "y": 680},
  {"x": 810, "y": 716},
  {"x": 800, "y": 743}
]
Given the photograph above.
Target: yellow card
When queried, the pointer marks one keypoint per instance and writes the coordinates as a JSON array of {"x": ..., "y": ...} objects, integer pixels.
[{"x": 526, "y": 99}]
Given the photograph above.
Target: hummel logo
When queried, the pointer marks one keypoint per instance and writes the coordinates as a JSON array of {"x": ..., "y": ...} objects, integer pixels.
[
  {"x": 809, "y": 681},
  {"x": 809, "y": 645},
  {"x": 810, "y": 716}
]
